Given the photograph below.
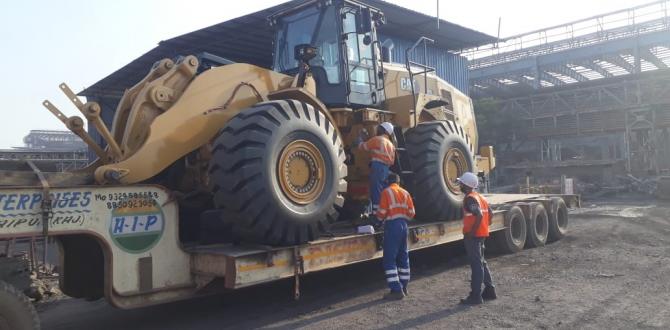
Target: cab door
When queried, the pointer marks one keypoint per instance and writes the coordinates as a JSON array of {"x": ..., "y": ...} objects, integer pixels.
[{"x": 361, "y": 66}]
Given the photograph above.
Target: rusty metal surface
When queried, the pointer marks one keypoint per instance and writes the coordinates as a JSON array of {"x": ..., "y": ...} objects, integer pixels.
[{"x": 244, "y": 267}]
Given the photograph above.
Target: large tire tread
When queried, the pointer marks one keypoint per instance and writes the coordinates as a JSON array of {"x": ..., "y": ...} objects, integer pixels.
[
  {"x": 16, "y": 310},
  {"x": 538, "y": 214},
  {"x": 425, "y": 143},
  {"x": 238, "y": 173},
  {"x": 504, "y": 239},
  {"x": 557, "y": 227}
]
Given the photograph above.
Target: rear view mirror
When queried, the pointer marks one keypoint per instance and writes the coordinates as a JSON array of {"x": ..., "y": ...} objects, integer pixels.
[{"x": 364, "y": 21}]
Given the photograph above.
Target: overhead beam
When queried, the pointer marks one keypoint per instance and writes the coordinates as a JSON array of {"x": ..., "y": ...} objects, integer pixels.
[
  {"x": 573, "y": 55},
  {"x": 523, "y": 80},
  {"x": 497, "y": 86},
  {"x": 592, "y": 65},
  {"x": 620, "y": 62},
  {"x": 648, "y": 56},
  {"x": 566, "y": 71},
  {"x": 551, "y": 79}
]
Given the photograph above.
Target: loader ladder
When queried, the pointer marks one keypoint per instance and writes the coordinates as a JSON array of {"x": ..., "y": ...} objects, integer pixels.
[
  {"x": 402, "y": 165},
  {"x": 425, "y": 69}
]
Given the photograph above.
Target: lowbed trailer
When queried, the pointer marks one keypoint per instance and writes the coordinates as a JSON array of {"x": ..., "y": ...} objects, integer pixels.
[{"x": 123, "y": 242}]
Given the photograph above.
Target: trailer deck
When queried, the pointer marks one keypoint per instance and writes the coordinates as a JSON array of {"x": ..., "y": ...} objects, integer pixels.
[{"x": 242, "y": 266}]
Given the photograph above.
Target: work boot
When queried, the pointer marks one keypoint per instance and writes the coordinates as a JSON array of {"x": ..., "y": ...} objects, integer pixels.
[
  {"x": 405, "y": 291},
  {"x": 394, "y": 295},
  {"x": 489, "y": 293},
  {"x": 472, "y": 300}
]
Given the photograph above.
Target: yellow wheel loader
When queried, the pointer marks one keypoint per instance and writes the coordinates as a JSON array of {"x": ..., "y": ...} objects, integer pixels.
[{"x": 272, "y": 150}]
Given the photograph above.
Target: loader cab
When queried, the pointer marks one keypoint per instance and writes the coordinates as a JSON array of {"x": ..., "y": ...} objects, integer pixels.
[{"x": 346, "y": 67}]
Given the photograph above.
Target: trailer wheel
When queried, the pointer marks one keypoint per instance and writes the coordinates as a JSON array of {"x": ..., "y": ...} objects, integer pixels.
[
  {"x": 537, "y": 225},
  {"x": 513, "y": 237},
  {"x": 278, "y": 168},
  {"x": 558, "y": 219},
  {"x": 16, "y": 311},
  {"x": 439, "y": 153}
]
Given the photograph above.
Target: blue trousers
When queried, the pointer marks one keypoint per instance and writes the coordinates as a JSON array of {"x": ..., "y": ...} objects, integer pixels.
[
  {"x": 474, "y": 247},
  {"x": 396, "y": 257},
  {"x": 378, "y": 174}
]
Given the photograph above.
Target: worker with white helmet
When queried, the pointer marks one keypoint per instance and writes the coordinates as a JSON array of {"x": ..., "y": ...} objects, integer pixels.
[
  {"x": 476, "y": 220},
  {"x": 382, "y": 155}
]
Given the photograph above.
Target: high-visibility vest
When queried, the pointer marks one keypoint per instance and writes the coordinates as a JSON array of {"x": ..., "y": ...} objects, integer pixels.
[
  {"x": 395, "y": 203},
  {"x": 381, "y": 149},
  {"x": 469, "y": 219}
]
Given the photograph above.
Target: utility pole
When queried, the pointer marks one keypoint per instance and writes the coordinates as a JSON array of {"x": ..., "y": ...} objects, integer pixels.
[{"x": 438, "y": 14}]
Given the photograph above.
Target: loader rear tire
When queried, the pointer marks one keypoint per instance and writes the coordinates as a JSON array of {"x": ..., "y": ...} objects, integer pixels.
[
  {"x": 278, "y": 170},
  {"x": 16, "y": 311},
  {"x": 513, "y": 237},
  {"x": 558, "y": 219},
  {"x": 439, "y": 152},
  {"x": 537, "y": 225}
]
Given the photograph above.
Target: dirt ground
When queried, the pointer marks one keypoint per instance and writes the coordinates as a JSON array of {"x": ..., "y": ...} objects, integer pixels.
[{"x": 611, "y": 271}]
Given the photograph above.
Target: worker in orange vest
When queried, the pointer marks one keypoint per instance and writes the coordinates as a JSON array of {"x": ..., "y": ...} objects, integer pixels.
[
  {"x": 476, "y": 221},
  {"x": 382, "y": 156},
  {"x": 395, "y": 209}
]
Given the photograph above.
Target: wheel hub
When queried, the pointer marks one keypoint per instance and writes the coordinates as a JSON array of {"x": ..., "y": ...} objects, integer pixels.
[
  {"x": 300, "y": 172},
  {"x": 453, "y": 166}
]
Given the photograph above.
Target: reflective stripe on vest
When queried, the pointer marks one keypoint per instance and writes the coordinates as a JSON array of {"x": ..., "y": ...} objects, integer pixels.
[
  {"x": 381, "y": 149},
  {"x": 395, "y": 203},
  {"x": 469, "y": 219}
]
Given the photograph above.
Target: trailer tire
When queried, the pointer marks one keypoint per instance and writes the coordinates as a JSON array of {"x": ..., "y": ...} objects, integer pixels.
[
  {"x": 537, "y": 225},
  {"x": 513, "y": 237},
  {"x": 16, "y": 311},
  {"x": 439, "y": 151},
  {"x": 278, "y": 168},
  {"x": 558, "y": 219}
]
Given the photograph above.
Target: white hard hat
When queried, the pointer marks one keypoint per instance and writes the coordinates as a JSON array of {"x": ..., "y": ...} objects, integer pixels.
[
  {"x": 469, "y": 179},
  {"x": 388, "y": 127}
]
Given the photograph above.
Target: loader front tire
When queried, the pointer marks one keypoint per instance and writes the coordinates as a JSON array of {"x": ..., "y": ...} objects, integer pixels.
[
  {"x": 440, "y": 152},
  {"x": 278, "y": 170},
  {"x": 16, "y": 311}
]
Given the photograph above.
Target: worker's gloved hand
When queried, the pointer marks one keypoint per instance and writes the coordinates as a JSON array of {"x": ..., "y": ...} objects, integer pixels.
[
  {"x": 363, "y": 134},
  {"x": 362, "y": 137}
]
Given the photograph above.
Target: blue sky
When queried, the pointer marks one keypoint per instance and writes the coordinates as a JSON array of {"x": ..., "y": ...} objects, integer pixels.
[{"x": 44, "y": 43}]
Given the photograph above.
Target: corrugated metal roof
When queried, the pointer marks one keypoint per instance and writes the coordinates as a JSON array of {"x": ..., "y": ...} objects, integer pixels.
[{"x": 249, "y": 39}]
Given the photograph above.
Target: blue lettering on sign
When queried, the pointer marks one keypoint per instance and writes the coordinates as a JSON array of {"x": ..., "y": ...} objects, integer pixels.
[
  {"x": 22, "y": 202},
  {"x": 28, "y": 202},
  {"x": 118, "y": 225},
  {"x": 64, "y": 200},
  {"x": 74, "y": 199},
  {"x": 9, "y": 202},
  {"x": 132, "y": 224},
  {"x": 151, "y": 220},
  {"x": 135, "y": 223},
  {"x": 37, "y": 198},
  {"x": 85, "y": 199}
]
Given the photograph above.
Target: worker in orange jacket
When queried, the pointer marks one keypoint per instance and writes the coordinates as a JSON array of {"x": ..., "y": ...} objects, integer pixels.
[
  {"x": 395, "y": 209},
  {"x": 382, "y": 157},
  {"x": 476, "y": 221}
]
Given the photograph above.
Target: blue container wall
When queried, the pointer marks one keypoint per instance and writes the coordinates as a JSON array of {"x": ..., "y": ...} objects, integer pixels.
[{"x": 450, "y": 67}]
